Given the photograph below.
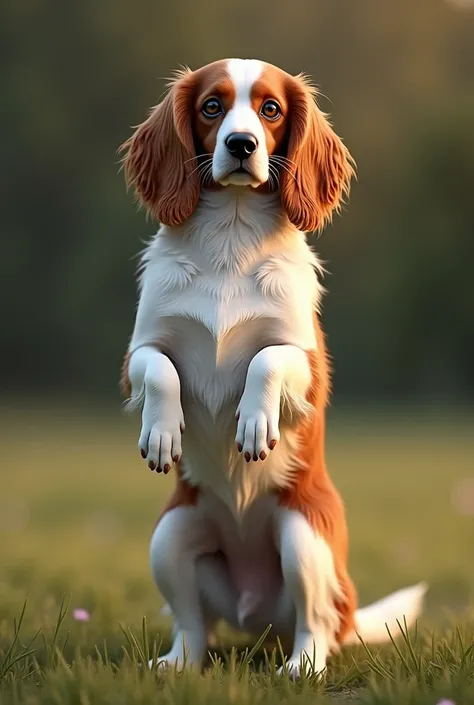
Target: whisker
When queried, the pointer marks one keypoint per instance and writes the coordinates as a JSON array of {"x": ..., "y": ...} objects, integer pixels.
[
  {"x": 287, "y": 168},
  {"x": 206, "y": 174},
  {"x": 274, "y": 177},
  {"x": 282, "y": 160},
  {"x": 272, "y": 168},
  {"x": 290, "y": 173},
  {"x": 283, "y": 166},
  {"x": 270, "y": 178},
  {"x": 201, "y": 166},
  {"x": 207, "y": 177},
  {"x": 207, "y": 154}
]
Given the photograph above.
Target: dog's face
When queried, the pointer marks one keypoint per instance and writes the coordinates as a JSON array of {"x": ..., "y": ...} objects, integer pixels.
[
  {"x": 243, "y": 123},
  {"x": 240, "y": 123}
]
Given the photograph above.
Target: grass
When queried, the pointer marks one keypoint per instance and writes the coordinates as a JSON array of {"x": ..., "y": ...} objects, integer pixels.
[{"x": 77, "y": 508}]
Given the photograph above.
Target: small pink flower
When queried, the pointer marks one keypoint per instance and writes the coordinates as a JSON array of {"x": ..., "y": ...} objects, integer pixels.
[
  {"x": 446, "y": 702},
  {"x": 80, "y": 615}
]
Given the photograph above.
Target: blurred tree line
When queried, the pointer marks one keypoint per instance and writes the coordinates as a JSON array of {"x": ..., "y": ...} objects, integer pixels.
[{"x": 399, "y": 78}]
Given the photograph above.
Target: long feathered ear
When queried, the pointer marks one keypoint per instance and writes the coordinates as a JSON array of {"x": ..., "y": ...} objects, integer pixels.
[
  {"x": 160, "y": 156},
  {"x": 320, "y": 167}
]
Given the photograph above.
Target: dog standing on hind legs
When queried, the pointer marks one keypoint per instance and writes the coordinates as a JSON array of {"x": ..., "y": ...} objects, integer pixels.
[{"x": 228, "y": 361}]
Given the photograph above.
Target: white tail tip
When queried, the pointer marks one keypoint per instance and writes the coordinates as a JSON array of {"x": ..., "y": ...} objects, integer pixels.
[{"x": 373, "y": 621}]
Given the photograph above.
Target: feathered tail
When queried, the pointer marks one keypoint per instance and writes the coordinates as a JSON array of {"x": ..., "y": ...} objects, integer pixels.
[{"x": 372, "y": 621}]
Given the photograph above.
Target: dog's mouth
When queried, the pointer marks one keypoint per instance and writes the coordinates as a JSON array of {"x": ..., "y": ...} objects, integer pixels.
[
  {"x": 240, "y": 172},
  {"x": 240, "y": 177}
]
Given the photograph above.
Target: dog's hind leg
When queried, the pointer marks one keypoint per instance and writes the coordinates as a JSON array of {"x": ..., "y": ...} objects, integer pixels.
[
  {"x": 312, "y": 587},
  {"x": 193, "y": 578},
  {"x": 180, "y": 537}
]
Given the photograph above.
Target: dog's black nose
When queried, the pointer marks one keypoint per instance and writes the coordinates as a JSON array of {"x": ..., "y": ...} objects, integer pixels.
[{"x": 241, "y": 145}]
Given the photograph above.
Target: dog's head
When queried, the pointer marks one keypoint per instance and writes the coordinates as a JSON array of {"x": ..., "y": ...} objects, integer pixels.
[{"x": 243, "y": 123}]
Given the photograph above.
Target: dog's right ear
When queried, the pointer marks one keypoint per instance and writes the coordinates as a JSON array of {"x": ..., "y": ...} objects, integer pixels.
[
  {"x": 160, "y": 158},
  {"x": 320, "y": 166}
]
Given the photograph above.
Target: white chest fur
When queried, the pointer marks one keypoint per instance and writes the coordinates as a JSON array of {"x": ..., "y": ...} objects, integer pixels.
[{"x": 231, "y": 280}]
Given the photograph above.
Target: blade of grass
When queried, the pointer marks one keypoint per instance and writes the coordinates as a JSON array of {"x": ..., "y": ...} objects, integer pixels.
[
  {"x": 374, "y": 663},
  {"x": 400, "y": 655},
  {"x": 248, "y": 657}
]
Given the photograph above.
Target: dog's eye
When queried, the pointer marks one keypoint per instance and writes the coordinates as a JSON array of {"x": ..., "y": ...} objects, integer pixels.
[
  {"x": 212, "y": 108},
  {"x": 270, "y": 110}
]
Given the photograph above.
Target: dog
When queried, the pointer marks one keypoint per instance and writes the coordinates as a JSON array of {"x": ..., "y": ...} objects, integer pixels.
[{"x": 228, "y": 362}]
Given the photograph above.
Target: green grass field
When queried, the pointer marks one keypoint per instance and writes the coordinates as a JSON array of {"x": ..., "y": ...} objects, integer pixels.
[{"x": 77, "y": 508}]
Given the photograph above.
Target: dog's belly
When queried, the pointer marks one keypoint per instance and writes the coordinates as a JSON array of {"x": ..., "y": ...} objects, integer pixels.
[
  {"x": 253, "y": 562},
  {"x": 212, "y": 462}
]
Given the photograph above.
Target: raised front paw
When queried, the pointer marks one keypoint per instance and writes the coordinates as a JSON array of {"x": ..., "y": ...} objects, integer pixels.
[
  {"x": 160, "y": 438},
  {"x": 257, "y": 431}
]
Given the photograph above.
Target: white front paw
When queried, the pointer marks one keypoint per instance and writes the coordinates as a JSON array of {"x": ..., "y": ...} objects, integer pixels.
[
  {"x": 163, "y": 663},
  {"x": 257, "y": 428},
  {"x": 173, "y": 662},
  {"x": 187, "y": 651},
  {"x": 160, "y": 438},
  {"x": 302, "y": 667}
]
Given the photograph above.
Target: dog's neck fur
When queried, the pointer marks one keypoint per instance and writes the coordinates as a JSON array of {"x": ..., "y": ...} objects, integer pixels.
[{"x": 234, "y": 223}]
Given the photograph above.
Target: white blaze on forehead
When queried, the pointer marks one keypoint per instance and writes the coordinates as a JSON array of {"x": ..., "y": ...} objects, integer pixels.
[
  {"x": 243, "y": 74},
  {"x": 241, "y": 118}
]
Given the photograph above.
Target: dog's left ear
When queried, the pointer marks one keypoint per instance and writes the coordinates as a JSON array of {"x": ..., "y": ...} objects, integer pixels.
[
  {"x": 320, "y": 166},
  {"x": 160, "y": 156}
]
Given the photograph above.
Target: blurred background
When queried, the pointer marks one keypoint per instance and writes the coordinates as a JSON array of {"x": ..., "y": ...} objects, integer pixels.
[{"x": 397, "y": 78}]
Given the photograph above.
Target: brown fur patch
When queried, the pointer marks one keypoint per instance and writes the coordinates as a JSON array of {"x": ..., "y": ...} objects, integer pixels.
[
  {"x": 312, "y": 492},
  {"x": 272, "y": 86},
  {"x": 159, "y": 157},
  {"x": 214, "y": 83},
  {"x": 320, "y": 165}
]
